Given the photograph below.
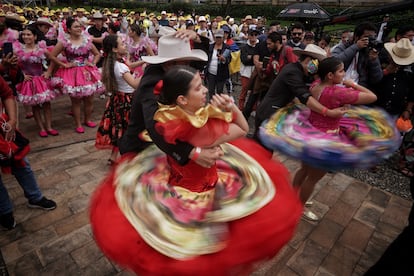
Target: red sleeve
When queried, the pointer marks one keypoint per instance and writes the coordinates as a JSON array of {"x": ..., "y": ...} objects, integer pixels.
[
  {"x": 291, "y": 57},
  {"x": 5, "y": 90}
]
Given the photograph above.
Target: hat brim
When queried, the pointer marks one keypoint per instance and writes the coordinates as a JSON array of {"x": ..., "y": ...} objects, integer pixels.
[
  {"x": 300, "y": 52},
  {"x": 43, "y": 23},
  {"x": 398, "y": 60},
  {"x": 195, "y": 55}
]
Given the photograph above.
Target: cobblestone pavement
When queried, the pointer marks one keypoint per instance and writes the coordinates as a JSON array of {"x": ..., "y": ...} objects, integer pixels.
[{"x": 358, "y": 220}]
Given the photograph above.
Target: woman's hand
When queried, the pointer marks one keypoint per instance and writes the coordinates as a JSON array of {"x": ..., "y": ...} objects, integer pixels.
[
  {"x": 223, "y": 102},
  {"x": 27, "y": 77},
  {"x": 349, "y": 83}
]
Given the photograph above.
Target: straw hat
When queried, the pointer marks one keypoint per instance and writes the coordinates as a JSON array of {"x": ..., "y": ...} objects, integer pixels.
[
  {"x": 402, "y": 52},
  {"x": 311, "y": 50},
  {"x": 16, "y": 17},
  {"x": 173, "y": 48}
]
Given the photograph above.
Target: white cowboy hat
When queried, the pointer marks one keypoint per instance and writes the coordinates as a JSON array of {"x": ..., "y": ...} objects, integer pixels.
[
  {"x": 173, "y": 48},
  {"x": 311, "y": 50},
  {"x": 97, "y": 15},
  {"x": 43, "y": 21},
  {"x": 402, "y": 52}
]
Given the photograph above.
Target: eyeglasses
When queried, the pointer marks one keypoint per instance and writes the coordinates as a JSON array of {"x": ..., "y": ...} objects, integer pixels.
[{"x": 296, "y": 34}]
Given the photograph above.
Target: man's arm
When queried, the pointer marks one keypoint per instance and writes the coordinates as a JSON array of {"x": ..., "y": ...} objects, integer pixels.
[{"x": 9, "y": 103}]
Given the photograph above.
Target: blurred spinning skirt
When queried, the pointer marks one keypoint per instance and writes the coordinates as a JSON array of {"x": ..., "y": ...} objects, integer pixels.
[
  {"x": 138, "y": 223},
  {"x": 365, "y": 137}
]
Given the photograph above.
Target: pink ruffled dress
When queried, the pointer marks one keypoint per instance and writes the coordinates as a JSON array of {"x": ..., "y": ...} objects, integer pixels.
[
  {"x": 9, "y": 36},
  {"x": 136, "y": 51},
  {"x": 81, "y": 80},
  {"x": 37, "y": 90}
]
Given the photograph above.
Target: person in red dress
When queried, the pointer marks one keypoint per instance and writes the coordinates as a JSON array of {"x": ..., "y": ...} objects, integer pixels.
[{"x": 157, "y": 217}]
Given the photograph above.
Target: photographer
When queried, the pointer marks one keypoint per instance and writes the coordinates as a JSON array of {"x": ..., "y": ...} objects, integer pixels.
[
  {"x": 361, "y": 58},
  {"x": 217, "y": 71},
  {"x": 269, "y": 60}
]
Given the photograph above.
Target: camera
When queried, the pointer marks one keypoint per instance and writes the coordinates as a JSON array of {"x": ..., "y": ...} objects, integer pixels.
[{"x": 374, "y": 44}]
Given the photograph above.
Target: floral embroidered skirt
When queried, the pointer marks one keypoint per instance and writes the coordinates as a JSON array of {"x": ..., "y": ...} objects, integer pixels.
[{"x": 114, "y": 120}]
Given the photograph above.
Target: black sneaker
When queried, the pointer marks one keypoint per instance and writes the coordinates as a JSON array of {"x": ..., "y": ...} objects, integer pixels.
[
  {"x": 7, "y": 221},
  {"x": 44, "y": 203}
]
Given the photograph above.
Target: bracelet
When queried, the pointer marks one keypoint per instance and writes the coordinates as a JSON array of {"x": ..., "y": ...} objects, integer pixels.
[
  {"x": 196, "y": 153},
  {"x": 324, "y": 111}
]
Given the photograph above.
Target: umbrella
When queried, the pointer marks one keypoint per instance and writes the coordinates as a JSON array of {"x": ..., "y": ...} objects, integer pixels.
[{"x": 304, "y": 10}]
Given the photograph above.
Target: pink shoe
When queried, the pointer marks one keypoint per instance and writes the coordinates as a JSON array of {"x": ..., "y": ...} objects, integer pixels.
[
  {"x": 53, "y": 132},
  {"x": 80, "y": 130},
  {"x": 43, "y": 134},
  {"x": 90, "y": 124}
]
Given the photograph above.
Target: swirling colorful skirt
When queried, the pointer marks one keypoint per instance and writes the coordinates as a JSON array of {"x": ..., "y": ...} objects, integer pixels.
[
  {"x": 365, "y": 137},
  {"x": 132, "y": 229}
]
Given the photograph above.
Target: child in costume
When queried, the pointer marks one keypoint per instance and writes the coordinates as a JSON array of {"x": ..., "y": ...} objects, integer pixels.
[
  {"x": 166, "y": 218},
  {"x": 120, "y": 84},
  {"x": 35, "y": 90}
]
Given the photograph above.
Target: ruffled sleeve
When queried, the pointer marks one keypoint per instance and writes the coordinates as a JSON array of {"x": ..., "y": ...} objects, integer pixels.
[{"x": 200, "y": 129}]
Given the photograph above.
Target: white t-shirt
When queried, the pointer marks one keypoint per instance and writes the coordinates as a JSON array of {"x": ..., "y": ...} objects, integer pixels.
[{"x": 120, "y": 69}]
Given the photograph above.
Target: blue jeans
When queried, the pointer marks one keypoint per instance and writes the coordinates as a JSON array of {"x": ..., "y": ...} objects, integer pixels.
[{"x": 26, "y": 179}]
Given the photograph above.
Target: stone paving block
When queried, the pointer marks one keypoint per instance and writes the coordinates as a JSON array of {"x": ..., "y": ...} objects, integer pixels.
[
  {"x": 340, "y": 261},
  {"x": 356, "y": 235},
  {"x": 307, "y": 259},
  {"x": 63, "y": 246},
  {"x": 50, "y": 181},
  {"x": 29, "y": 264},
  {"x": 369, "y": 214},
  {"x": 71, "y": 223},
  {"x": 89, "y": 187},
  {"x": 101, "y": 267},
  {"x": 30, "y": 242},
  {"x": 328, "y": 195},
  {"x": 380, "y": 239},
  {"x": 326, "y": 233},
  {"x": 11, "y": 252},
  {"x": 79, "y": 204},
  {"x": 341, "y": 213},
  {"x": 396, "y": 213},
  {"x": 366, "y": 261},
  {"x": 322, "y": 182},
  {"x": 359, "y": 271},
  {"x": 274, "y": 266},
  {"x": 87, "y": 254},
  {"x": 341, "y": 181},
  {"x": 43, "y": 218},
  {"x": 379, "y": 197},
  {"x": 302, "y": 232},
  {"x": 388, "y": 230},
  {"x": 287, "y": 271},
  {"x": 355, "y": 193},
  {"x": 64, "y": 265},
  {"x": 62, "y": 166},
  {"x": 323, "y": 272}
]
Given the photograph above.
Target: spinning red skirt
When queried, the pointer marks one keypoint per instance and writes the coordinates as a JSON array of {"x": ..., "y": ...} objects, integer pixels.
[{"x": 140, "y": 223}]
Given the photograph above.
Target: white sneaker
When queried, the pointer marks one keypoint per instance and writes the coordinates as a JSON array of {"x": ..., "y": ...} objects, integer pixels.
[{"x": 309, "y": 215}]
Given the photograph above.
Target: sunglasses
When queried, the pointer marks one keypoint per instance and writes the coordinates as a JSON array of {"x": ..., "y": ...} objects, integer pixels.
[
  {"x": 296, "y": 34},
  {"x": 254, "y": 34}
]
